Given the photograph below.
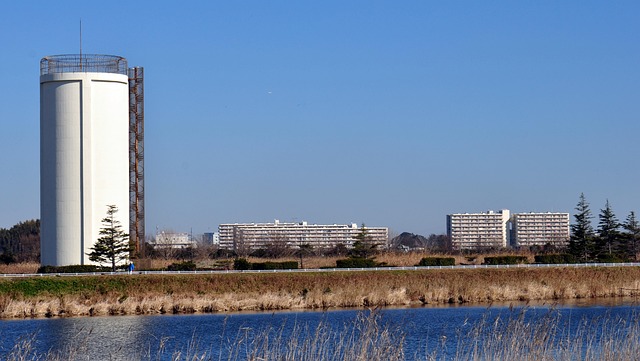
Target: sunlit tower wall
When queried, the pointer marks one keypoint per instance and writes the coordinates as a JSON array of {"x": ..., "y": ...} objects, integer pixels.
[{"x": 84, "y": 152}]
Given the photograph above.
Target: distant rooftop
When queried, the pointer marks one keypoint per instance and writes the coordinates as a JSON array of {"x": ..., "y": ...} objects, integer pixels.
[{"x": 85, "y": 63}]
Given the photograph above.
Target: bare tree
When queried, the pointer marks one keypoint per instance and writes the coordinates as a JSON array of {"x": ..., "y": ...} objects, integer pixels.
[
  {"x": 240, "y": 244},
  {"x": 203, "y": 249},
  {"x": 163, "y": 244},
  {"x": 304, "y": 250},
  {"x": 278, "y": 246}
]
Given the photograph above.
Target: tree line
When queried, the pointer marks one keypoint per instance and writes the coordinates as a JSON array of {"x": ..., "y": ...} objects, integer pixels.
[
  {"x": 21, "y": 242},
  {"x": 611, "y": 241}
]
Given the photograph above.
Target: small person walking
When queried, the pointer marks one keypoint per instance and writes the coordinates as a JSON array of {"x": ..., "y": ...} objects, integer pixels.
[{"x": 131, "y": 267}]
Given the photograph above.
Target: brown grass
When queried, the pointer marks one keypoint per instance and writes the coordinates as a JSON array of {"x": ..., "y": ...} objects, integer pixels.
[
  {"x": 149, "y": 294},
  {"x": 316, "y": 262},
  {"x": 397, "y": 259},
  {"x": 19, "y": 268}
]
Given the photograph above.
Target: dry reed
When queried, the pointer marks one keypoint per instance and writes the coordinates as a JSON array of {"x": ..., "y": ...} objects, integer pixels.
[
  {"x": 149, "y": 294},
  {"x": 513, "y": 337},
  {"x": 364, "y": 338},
  {"x": 516, "y": 337},
  {"x": 19, "y": 268}
]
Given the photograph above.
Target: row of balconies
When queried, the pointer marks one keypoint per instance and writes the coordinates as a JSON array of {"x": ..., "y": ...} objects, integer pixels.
[
  {"x": 477, "y": 230},
  {"x": 298, "y": 230},
  {"x": 540, "y": 229},
  {"x": 457, "y": 221},
  {"x": 538, "y": 216}
]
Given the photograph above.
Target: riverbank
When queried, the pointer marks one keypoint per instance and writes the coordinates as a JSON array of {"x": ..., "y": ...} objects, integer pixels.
[{"x": 160, "y": 294}]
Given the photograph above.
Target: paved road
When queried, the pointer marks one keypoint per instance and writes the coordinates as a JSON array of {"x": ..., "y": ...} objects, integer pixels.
[{"x": 576, "y": 265}]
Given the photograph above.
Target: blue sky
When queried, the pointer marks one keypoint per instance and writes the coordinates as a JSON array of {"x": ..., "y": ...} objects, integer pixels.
[{"x": 386, "y": 113}]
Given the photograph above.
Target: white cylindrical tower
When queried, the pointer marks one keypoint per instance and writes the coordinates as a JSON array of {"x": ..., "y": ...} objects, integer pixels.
[{"x": 84, "y": 152}]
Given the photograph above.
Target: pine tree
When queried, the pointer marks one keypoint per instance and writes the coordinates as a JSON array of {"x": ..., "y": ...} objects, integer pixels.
[
  {"x": 608, "y": 241},
  {"x": 632, "y": 236},
  {"x": 113, "y": 245},
  {"x": 581, "y": 244},
  {"x": 363, "y": 247}
]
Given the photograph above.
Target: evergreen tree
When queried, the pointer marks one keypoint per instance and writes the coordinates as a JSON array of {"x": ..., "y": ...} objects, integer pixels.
[
  {"x": 581, "y": 244},
  {"x": 113, "y": 245},
  {"x": 608, "y": 241},
  {"x": 363, "y": 247},
  {"x": 22, "y": 241},
  {"x": 632, "y": 236}
]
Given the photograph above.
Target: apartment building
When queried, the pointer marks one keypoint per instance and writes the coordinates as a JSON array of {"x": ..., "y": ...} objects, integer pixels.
[
  {"x": 478, "y": 230},
  {"x": 539, "y": 229},
  {"x": 252, "y": 236}
]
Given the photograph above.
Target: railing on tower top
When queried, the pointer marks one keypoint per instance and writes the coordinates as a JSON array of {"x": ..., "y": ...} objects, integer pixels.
[{"x": 85, "y": 63}]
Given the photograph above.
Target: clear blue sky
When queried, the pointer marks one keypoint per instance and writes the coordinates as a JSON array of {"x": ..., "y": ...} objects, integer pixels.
[{"x": 387, "y": 113}]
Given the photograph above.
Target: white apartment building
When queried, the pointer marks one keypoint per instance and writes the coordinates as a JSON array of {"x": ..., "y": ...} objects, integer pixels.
[
  {"x": 478, "y": 230},
  {"x": 252, "y": 236},
  {"x": 539, "y": 229}
]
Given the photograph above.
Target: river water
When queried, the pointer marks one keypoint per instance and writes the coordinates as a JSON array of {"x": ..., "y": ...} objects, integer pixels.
[{"x": 229, "y": 336}]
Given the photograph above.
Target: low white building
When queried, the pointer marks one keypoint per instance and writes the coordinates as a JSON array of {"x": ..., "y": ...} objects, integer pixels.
[
  {"x": 478, "y": 230},
  {"x": 539, "y": 229},
  {"x": 173, "y": 240},
  {"x": 252, "y": 236}
]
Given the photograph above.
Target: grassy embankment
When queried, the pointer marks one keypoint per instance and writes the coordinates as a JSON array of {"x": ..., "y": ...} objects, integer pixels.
[{"x": 151, "y": 294}]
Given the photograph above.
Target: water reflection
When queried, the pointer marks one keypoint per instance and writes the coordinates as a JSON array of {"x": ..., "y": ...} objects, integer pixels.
[{"x": 96, "y": 336}]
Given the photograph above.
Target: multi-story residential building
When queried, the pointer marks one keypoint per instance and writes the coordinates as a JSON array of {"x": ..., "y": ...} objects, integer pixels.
[
  {"x": 478, "y": 230},
  {"x": 242, "y": 237},
  {"x": 539, "y": 229}
]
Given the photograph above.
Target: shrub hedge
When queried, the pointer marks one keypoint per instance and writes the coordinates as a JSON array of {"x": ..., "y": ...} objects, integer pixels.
[
  {"x": 555, "y": 258},
  {"x": 437, "y": 261},
  {"x": 505, "y": 260},
  {"x": 87, "y": 268},
  {"x": 243, "y": 264},
  {"x": 182, "y": 266},
  {"x": 356, "y": 262},
  {"x": 274, "y": 265},
  {"x": 610, "y": 258}
]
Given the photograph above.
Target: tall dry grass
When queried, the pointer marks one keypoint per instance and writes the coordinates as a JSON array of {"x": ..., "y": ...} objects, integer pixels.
[
  {"x": 364, "y": 338},
  {"x": 316, "y": 262},
  {"x": 513, "y": 337},
  {"x": 19, "y": 268},
  {"x": 549, "y": 337},
  {"x": 398, "y": 259},
  {"x": 159, "y": 294}
]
